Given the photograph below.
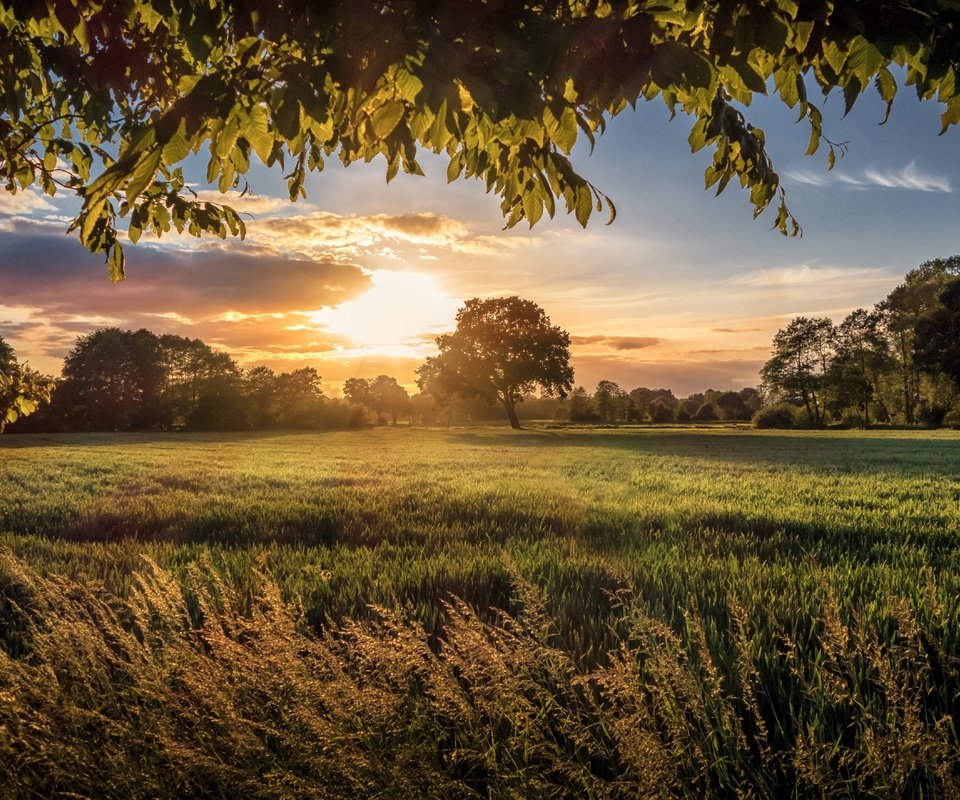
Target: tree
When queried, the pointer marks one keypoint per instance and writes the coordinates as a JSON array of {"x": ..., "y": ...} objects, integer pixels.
[
  {"x": 612, "y": 403},
  {"x": 938, "y": 335},
  {"x": 299, "y": 398},
  {"x": 861, "y": 358},
  {"x": 112, "y": 380},
  {"x": 107, "y": 99},
  {"x": 582, "y": 407},
  {"x": 661, "y": 412},
  {"x": 502, "y": 349},
  {"x": 801, "y": 357},
  {"x": 642, "y": 401},
  {"x": 260, "y": 388},
  {"x": 22, "y": 390},
  {"x": 706, "y": 413},
  {"x": 389, "y": 397},
  {"x": 136, "y": 380},
  {"x": 903, "y": 310},
  {"x": 732, "y": 406}
]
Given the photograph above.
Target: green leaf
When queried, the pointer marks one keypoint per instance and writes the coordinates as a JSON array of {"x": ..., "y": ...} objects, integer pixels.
[
  {"x": 408, "y": 84},
  {"x": 115, "y": 263},
  {"x": 674, "y": 63},
  {"x": 951, "y": 116},
  {"x": 584, "y": 205},
  {"x": 176, "y": 147},
  {"x": 143, "y": 173},
  {"x": 256, "y": 130},
  {"x": 751, "y": 78},
  {"x": 532, "y": 206},
  {"x": 563, "y": 129},
  {"x": 386, "y": 117}
]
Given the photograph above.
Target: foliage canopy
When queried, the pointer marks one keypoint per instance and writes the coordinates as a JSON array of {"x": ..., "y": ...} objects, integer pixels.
[
  {"x": 22, "y": 390},
  {"x": 107, "y": 99}
]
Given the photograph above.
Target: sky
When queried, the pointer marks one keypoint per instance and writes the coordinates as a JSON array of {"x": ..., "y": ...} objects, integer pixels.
[{"x": 684, "y": 290}]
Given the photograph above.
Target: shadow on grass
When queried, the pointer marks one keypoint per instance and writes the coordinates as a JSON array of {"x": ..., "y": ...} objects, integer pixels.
[{"x": 818, "y": 450}]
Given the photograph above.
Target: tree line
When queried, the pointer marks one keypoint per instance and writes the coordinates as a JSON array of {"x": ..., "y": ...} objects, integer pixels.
[
  {"x": 897, "y": 362},
  {"x": 116, "y": 380}
]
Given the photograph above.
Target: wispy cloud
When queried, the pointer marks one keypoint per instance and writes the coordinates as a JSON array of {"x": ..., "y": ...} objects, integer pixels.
[
  {"x": 736, "y": 330},
  {"x": 617, "y": 342},
  {"x": 805, "y": 275},
  {"x": 909, "y": 177},
  {"x": 253, "y": 203}
]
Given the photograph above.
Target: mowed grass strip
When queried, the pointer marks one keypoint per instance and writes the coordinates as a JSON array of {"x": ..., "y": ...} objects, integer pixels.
[{"x": 805, "y": 586}]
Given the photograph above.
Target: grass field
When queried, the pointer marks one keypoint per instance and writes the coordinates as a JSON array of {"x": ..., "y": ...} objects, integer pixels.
[{"x": 481, "y": 613}]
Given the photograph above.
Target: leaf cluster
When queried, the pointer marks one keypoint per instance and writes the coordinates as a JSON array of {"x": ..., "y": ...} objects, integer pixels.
[{"x": 107, "y": 99}]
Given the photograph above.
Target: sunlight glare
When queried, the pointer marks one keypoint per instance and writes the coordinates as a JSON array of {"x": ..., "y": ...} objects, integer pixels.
[{"x": 398, "y": 308}]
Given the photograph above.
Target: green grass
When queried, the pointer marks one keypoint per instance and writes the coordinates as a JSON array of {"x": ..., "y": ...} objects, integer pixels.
[{"x": 691, "y": 612}]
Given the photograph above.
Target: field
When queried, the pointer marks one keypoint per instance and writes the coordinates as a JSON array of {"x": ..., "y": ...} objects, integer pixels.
[{"x": 481, "y": 613}]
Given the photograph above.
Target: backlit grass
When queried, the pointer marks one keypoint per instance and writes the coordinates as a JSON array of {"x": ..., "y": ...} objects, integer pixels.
[{"x": 690, "y": 612}]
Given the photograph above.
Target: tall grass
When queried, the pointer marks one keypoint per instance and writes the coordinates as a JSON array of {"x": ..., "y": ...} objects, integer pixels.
[{"x": 469, "y": 614}]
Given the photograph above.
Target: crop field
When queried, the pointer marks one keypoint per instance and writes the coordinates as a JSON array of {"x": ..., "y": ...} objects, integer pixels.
[{"x": 481, "y": 613}]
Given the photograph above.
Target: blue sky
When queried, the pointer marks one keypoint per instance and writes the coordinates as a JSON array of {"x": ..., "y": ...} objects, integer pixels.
[{"x": 684, "y": 290}]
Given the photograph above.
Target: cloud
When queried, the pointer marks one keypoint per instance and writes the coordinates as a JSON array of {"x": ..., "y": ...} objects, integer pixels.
[
  {"x": 27, "y": 201},
  {"x": 252, "y": 203},
  {"x": 227, "y": 298},
  {"x": 326, "y": 232},
  {"x": 736, "y": 330},
  {"x": 805, "y": 275},
  {"x": 617, "y": 342},
  {"x": 910, "y": 177}
]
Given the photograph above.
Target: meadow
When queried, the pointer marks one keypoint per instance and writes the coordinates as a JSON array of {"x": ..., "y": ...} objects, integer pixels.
[{"x": 481, "y": 613}]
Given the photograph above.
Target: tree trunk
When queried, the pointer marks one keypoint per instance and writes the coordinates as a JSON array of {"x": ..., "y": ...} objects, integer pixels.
[{"x": 512, "y": 414}]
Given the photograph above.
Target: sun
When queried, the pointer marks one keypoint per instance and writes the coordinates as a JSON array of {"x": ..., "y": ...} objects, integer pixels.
[{"x": 401, "y": 308}]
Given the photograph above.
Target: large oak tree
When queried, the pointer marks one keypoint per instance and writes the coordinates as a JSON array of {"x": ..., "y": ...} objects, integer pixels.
[
  {"x": 502, "y": 350},
  {"x": 107, "y": 98}
]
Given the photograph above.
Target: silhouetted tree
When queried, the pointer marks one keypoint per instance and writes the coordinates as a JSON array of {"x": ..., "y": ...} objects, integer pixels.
[
  {"x": 661, "y": 412},
  {"x": 903, "y": 310},
  {"x": 937, "y": 343},
  {"x": 112, "y": 381},
  {"x": 502, "y": 349},
  {"x": 706, "y": 413},
  {"x": 731, "y": 406},
  {"x": 611, "y": 402},
  {"x": 581, "y": 406},
  {"x": 260, "y": 389}
]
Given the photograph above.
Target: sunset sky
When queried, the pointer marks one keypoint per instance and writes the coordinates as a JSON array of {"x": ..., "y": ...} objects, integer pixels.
[{"x": 684, "y": 290}]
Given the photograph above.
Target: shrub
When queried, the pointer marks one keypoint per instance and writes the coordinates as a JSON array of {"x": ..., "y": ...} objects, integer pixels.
[
  {"x": 706, "y": 413},
  {"x": 660, "y": 413},
  {"x": 779, "y": 415}
]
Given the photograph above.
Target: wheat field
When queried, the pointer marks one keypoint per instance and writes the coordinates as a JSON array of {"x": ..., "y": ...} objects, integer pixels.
[{"x": 481, "y": 613}]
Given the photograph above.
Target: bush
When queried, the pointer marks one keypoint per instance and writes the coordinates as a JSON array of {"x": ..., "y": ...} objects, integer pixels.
[
  {"x": 706, "y": 413},
  {"x": 659, "y": 413},
  {"x": 779, "y": 415}
]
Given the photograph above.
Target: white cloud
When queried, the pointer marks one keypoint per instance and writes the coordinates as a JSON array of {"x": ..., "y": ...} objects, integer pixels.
[
  {"x": 910, "y": 177},
  {"x": 27, "y": 201},
  {"x": 805, "y": 275}
]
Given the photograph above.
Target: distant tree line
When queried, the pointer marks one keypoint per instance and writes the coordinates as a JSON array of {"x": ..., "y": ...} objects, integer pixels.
[
  {"x": 612, "y": 405},
  {"x": 115, "y": 380},
  {"x": 898, "y": 362}
]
